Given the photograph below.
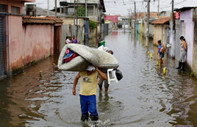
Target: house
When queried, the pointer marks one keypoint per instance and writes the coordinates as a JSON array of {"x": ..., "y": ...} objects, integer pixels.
[
  {"x": 40, "y": 11},
  {"x": 80, "y": 31},
  {"x": 161, "y": 30},
  {"x": 95, "y": 15},
  {"x": 141, "y": 22},
  {"x": 10, "y": 14},
  {"x": 112, "y": 19},
  {"x": 186, "y": 25},
  {"x": 24, "y": 40},
  {"x": 95, "y": 8}
]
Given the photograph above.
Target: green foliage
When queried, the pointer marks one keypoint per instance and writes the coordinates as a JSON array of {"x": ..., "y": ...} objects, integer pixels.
[
  {"x": 81, "y": 11},
  {"x": 92, "y": 24}
]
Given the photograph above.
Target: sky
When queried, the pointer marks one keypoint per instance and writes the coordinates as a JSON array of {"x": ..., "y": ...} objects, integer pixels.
[{"x": 124, "y": 7}]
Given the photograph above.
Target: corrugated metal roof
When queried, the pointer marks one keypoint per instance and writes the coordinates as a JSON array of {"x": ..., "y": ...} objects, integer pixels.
[
  {"x": 161, "y": 21},
  {"x": 184, "y": 8}
]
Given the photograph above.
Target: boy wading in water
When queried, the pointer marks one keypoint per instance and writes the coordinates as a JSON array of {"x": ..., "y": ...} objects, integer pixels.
[
  {"x": 88, "y": 87},
  {"x": 161, "y": 51}
]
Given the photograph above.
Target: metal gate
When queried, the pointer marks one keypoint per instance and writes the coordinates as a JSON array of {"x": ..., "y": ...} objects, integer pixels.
[
  {"x": 86, "y": 36},
  {"x": 2, "y": 49}
]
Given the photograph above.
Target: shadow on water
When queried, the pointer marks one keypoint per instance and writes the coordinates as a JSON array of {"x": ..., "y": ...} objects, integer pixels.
[
  {"x": 42, "y": 95},
  {"x": 4, "y": 102}
]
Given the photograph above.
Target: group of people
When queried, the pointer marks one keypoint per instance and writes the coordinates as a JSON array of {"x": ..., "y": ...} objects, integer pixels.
[
  {"x": 71, "y": 40},
  {"x": 89, "y": 81},
  {"x": 183, "y": 52}
]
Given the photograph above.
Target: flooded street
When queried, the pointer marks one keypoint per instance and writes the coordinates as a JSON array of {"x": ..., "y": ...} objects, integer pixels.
[{"x": 42, "y": 95}]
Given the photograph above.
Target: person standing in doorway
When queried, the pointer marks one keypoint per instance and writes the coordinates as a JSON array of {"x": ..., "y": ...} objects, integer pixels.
[
  {"x": 67, "y": 40},
  {"x": 74, "y": 40},
  {"x": 88, "y": 88},
  {"x": 183, "y": 53}
]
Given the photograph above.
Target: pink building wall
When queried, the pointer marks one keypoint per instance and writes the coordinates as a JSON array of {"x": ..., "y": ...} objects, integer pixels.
[
  {"x": 28, "y": 42},
  {"x": 15, "y": 39}
]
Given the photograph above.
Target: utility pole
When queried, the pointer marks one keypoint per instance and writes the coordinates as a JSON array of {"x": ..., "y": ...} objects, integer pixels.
[
  {"x": 147, "y": 27},
  {"x": 77, "y": 20},
  {"x": 55, "y": 8},
  {"x": 74, "y": 12},
  {"x": 86, "y": 9},
  {"x": 131, "y": 20},
  {"x": 172, "y": 28},
  {"x": 47, "y": 7},
  {"x": 124, "y": 25},
  {"x": 158, "y": 8},
  {"x": 77, "y": 13},
  {"x": 173, "y": 23},
  {"x": 135, "y": 18}
]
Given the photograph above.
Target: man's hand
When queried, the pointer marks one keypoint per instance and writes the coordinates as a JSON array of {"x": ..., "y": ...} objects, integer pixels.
[
  {"x": 96, "y": 68},
  {"x": 74, "y": 91},
  {"x": 101, "y": 74}
]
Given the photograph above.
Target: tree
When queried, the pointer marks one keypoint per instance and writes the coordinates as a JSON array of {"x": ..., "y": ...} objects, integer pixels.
[{"x": 81, "y": 11}]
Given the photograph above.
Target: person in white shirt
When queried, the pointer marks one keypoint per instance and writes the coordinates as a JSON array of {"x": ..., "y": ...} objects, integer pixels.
[{"x": 67, "y": 40}]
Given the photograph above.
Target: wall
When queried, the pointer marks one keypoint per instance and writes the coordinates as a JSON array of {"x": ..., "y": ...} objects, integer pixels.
[
  {"x": 160, "y": 33},
  {"x": 157, "y": 33},
  {"x": 177, "y": 43},
  {"x": 186, "y": 16},
  {"x": 194, "y": 67},
  {"x": 28, "y": 42},
  {"x": 65, "y": 32},
  {"x": 70, "y": 20},
  {"x": 92, "y": 37},
  {"x": 68, "y": 29},
  {"x": 142, "y": 29},
  {"x": 16, "y": 40}
]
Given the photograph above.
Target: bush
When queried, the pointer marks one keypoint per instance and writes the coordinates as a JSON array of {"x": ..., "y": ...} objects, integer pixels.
[
  {"x": 81, "y": 11},
  {"x": 92, "y": 24}
]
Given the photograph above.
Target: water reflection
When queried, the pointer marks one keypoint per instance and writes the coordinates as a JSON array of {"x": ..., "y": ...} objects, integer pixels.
[{"x": 42, "y": 95}]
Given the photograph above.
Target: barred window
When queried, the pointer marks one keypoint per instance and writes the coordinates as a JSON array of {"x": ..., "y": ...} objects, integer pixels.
[
  {"x": 3, "y": 8},
  {"x": 15, "y": 10}
]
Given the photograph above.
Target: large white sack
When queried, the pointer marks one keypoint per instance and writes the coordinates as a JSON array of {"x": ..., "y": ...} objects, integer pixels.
[{"x": 86, "y": 56}]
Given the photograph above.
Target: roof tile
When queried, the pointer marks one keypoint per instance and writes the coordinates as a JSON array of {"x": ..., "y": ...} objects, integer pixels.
[
  {"x": 41, "y": 20},
  {"x": 161, "y": 21}
]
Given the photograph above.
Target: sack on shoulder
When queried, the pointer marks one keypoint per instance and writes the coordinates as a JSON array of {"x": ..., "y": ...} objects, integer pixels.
[{"x": 163, "y": 49}]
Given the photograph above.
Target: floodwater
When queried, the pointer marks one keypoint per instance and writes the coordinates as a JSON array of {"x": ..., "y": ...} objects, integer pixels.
[{"x": 42, "y": 95}]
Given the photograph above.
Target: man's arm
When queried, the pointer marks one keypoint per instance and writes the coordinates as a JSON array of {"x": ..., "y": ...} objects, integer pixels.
[
  {"x": 102, "y": 75},
  {"x": 75, "y": 83}
]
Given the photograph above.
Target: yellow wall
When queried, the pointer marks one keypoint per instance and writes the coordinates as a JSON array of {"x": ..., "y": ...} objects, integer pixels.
[{"x": 160, "y": 34}]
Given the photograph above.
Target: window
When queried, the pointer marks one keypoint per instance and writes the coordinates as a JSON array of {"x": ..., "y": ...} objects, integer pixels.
[
  {"x": 3, "y": 8},
  {"x": 15, "y": 10},
  {"x": 70, "y": 11}
]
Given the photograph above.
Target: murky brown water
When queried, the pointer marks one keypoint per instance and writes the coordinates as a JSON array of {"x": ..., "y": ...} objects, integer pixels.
[{"x": 143, "y": 98}]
